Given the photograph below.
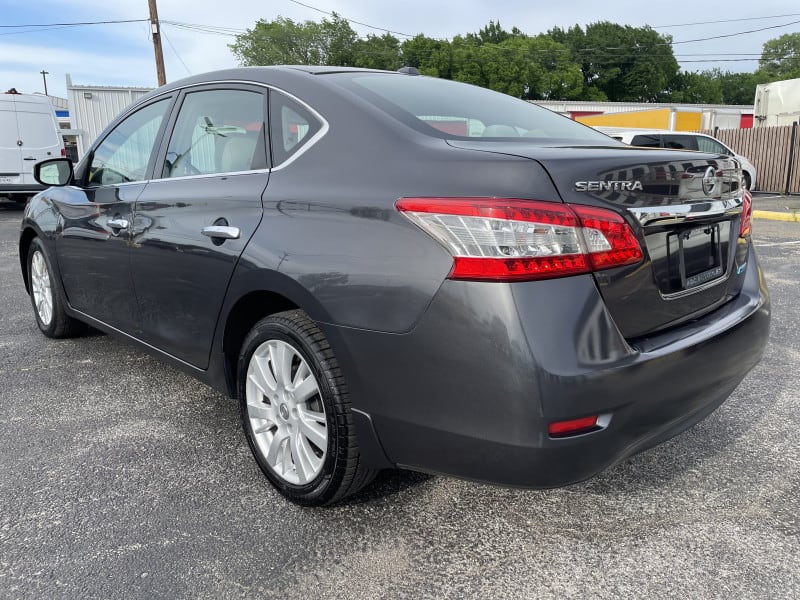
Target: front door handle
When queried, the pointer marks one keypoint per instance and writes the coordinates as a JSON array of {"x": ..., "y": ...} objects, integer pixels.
[
  {"x": 29, "y": 158},
  {"x": 223, "y": 232},
  {"x": 117, "y": 223}
]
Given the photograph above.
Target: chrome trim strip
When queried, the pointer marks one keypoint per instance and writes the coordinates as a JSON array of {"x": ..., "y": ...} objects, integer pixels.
[
  {"x": 205, "y": 175},
  {"x": 679, "y": 213}
]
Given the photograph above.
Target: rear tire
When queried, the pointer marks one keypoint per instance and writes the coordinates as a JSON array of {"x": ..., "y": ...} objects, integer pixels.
[
  {"x": 296, "y": 412},
  {"x": 47, "y": 298}
]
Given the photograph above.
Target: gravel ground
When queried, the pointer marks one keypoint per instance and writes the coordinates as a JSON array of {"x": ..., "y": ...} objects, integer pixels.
[{"x": 121, "y": 477}]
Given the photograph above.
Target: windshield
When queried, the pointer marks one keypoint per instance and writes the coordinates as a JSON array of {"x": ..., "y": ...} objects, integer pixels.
[{"x": 453, "y": 110}]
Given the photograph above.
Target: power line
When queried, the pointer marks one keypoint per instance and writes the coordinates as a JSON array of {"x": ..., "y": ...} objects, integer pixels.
[
  {"x": 725, "y": 21},
  {"x": 175, "y": 52},
  {"x": 74, "y": 24},
  {"x": 330, "y": 14},
  {"x": 727, "y": 35}
]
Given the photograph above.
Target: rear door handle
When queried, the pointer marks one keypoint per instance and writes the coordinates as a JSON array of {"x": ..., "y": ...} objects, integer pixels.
[
  {"x": 223, "y": 232},
  {"x": 29, "y": 158},
  {"x": 117, "y": 223}
]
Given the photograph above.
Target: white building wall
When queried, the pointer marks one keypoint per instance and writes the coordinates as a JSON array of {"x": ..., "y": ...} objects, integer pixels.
[{"x": 93, "y": 107}]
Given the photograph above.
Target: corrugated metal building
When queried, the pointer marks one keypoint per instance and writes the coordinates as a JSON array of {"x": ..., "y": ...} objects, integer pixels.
[{"x": 93, "y": 107}]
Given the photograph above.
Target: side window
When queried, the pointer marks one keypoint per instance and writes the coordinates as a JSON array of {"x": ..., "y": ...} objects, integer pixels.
[
  {"x": 291, "y": 126},
  {"x": 705, "y": 144},
  {"x": 124, "y": 154},
  {"x": 680, "y": 142},
  {"x": 217, "y": 131},
  {"x": 647, "y": 141}
]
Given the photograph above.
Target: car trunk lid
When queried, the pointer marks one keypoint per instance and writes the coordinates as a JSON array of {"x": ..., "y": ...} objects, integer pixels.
[{"x": 685, "y": 209}]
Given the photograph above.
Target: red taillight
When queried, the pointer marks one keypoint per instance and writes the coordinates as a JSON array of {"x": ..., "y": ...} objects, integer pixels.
[
  {"x": 495, "y": 239},
  {"x": 63, "y": 152},
  {"x": 572, "y": 427},
  {"x": 746, "y": 222}
]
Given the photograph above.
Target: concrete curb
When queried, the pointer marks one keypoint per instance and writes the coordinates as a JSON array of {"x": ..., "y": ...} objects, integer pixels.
[{"x": 776, "y": 216}]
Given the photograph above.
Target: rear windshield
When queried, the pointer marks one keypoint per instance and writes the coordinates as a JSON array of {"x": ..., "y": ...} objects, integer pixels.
[{"x": 453, "y": 110}]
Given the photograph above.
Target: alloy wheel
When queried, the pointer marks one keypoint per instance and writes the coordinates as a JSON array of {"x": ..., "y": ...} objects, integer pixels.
[
  {"x": 286, "y": 412},
  {"x": 41, "y": 288}
]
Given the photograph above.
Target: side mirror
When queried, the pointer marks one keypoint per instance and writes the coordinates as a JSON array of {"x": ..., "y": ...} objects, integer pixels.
[{"x": 54, "y": 171}]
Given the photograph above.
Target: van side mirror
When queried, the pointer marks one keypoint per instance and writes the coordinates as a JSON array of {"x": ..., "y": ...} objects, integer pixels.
[{"x": 54, "y": 171}]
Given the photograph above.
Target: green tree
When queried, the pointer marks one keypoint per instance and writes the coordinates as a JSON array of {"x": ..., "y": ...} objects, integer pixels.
[
  {"x": 696, "y": 88},
  {"x": 621, "y": 63},
  {"x": 780, "y": 58},
  {"x": 284, "y": 41},
  {"x": 378, "y": 52}
]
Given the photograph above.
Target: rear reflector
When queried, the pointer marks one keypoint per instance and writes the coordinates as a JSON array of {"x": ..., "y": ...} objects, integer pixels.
[
  {"x": 572, "y": 427},
  {"x": 494, "y": 239},
  {"x": 746, "y": 222}
]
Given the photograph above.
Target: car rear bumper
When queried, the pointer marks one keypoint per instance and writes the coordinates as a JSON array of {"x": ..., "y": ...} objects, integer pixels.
[{"x": 471, "y": 390}]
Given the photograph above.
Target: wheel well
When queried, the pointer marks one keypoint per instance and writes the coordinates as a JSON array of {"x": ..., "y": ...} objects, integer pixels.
[
  {"x": 24, "y": 244},
  {"x": 247, "y": 311}
]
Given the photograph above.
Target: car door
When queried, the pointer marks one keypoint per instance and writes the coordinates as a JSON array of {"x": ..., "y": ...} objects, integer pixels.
[
  {"x": 97, "y": 212},
  {"x": 10, "y": 153},
  {"x": 192, "y": 224}
]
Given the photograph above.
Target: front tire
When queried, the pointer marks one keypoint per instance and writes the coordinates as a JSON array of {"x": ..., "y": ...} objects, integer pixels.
[
  {"x": 296, "y": 413},
  {"x": 748, "y": 182},
  {"x": 46, "y": 297}
]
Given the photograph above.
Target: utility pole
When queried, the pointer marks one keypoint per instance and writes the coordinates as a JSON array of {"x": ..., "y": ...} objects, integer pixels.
[
  {"x": 44, "y": 78},
  {"x": 155, "y": 28}
]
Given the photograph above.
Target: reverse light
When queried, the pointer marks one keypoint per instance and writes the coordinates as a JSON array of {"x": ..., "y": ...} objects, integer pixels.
[
  {"x": 572, "y": 427},
  {"x": 746, "y": 222},
  {"x": 494, "y": 239}
]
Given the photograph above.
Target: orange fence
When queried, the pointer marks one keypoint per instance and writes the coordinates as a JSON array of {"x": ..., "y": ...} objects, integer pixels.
[{"x": 774, "y": 151}]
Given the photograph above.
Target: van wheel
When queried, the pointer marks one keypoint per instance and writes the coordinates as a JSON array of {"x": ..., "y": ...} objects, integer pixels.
[
  {"x": 296, "y": 413},
  {"x": 747, "y": 181},
  {"x": 47, "y": 298}
]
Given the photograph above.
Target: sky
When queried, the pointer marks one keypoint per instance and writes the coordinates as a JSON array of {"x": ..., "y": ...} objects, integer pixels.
[{"x": 121, "y": 54}]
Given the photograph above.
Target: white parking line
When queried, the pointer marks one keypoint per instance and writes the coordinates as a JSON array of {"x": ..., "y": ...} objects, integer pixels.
[{"x": 770, "y": 244}]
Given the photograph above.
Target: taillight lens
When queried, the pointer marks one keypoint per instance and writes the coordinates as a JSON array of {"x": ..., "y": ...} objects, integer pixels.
[
  {"x": 63, "y": 152},
  {"x": 510, "y": 240},
  {"x": 746, "y": 222}
]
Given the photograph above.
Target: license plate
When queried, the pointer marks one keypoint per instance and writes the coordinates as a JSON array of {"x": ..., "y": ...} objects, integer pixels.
[
  {"x": 697, "y": 254},
  {"x": 7, "y": 179}
]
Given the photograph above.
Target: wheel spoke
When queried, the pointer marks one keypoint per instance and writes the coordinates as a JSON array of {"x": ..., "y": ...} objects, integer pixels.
[
  {"x": 273, "y": 451},
  {"x": 317, "y": 434},
  {"x": 261, "y": 411},
  {"x": 282, "y": 363},
  {"x": 311, "y": 415},
  {"x": 307, "y": 388},
  {"x": 266, "y": 378},
  {"x": 303, "y": 461}
]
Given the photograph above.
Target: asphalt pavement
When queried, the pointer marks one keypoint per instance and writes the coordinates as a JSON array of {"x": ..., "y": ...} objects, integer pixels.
[{"x": 121, "y": 477}]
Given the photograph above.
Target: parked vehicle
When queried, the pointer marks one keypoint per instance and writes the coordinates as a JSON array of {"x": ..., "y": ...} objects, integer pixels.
[
  {"x": 28, "y": 133},
  {"x": 683, "y": 140},
  {"x": 777, "y": 103},
  {"x": 388, "y": 270}
]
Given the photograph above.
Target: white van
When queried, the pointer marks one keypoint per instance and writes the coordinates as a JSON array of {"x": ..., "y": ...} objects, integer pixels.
[
  {"x": 28, "y": 133},
  {"x": 681, "y": 140}
]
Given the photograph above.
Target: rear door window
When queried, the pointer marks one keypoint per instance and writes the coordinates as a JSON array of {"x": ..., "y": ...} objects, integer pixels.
[{"x": 218, "y": 131}]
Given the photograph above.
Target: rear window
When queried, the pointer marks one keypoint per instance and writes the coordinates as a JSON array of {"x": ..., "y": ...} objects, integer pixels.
[
  {"x": 680, "y": 142},
  {"x": 453, "y": 110}
]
